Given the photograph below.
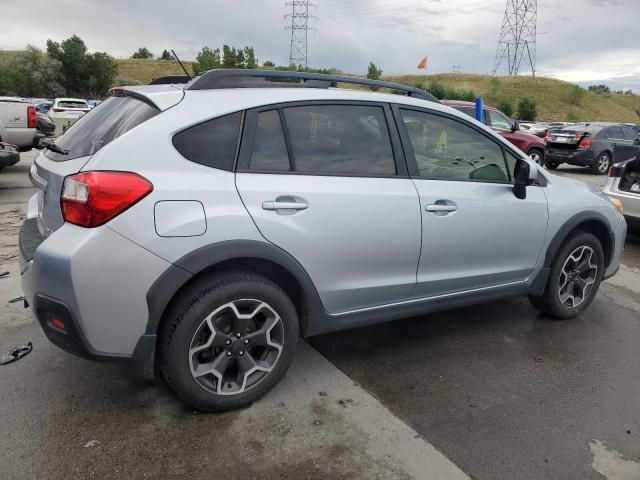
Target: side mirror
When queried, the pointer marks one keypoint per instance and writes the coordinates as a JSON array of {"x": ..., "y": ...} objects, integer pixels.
[
  {"x": 516, "y": 126},
  {"x": 523, "y": 176},
  {"x": 636, "y": 142}
]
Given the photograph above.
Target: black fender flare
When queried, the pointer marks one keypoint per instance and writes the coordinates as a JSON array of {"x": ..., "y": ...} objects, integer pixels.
[
  {"x": 539, "y": 284},
  {"x": 184, "y": 269}
]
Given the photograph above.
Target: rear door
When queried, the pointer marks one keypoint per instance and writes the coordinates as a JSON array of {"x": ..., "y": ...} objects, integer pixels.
[
  {"x": 622, "y": 147},
  {"x": 327, "y": 183},
  {"x": 476, "y": 233},
  {"x": 632, "y": 143}
]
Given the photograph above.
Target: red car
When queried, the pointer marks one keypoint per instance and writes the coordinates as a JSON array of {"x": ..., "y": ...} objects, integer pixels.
[{"x": 533, "y": 146}]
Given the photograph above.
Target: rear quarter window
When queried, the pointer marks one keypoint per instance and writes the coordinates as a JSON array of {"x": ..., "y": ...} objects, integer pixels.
[{"x": 212, "y": 143}]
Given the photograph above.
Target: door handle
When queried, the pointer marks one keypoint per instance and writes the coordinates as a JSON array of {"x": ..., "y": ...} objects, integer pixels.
[
  {"x": 438, "y": 208},
  {"x": 276, "y": 205}
]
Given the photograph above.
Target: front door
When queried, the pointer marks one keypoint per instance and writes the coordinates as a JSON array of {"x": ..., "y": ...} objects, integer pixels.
[
  {"x": 324, "y": 182},
  {"x": 476, "y": 233}
]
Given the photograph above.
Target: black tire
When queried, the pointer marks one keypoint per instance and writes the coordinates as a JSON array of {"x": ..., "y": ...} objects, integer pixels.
[
  {"x": 601, "y": 164},
  {"x": 537, "y": 156},
  {"x": 187, "y": 318},
  {"x": 550, "y": 303},
  {"x": 552, "y": 165}
]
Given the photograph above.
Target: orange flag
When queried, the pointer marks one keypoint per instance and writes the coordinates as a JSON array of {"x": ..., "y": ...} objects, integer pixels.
[{"x": 423, "y": 64}]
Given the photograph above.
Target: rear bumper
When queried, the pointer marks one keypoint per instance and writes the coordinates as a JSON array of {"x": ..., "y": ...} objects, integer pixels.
[
  {"x": 94, "y": 281},
  {"x": 619, "y": 236},
  {"x": 582, "y": 158}
]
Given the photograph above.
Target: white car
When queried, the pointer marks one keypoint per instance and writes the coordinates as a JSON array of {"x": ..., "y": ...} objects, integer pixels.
[{"x": 66, "y": 111}]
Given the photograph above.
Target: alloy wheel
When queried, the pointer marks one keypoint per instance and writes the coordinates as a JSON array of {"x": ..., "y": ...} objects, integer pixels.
[
  {"x": 536, "y": 157},
  {"x": 577, "y": 277},
  {"x": 236, "y": 346},
  {"x": 603, "y": 163}
]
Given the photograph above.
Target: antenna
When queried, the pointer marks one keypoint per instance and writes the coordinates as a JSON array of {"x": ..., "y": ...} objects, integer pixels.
[
  {"x": 183, "y": 69},
  {"x": 518, "y": 36},
  {"x": 300, "y": 16}
]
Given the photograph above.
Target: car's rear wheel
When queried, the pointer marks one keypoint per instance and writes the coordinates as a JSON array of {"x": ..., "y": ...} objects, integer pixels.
[
  {"x": 552, "y": 165},
  {"x": 228, "y": 340},
  {"x": 576, "y": 273},
  {"x": 537, "y": 156},
  {"x": 602, "y": 164}
]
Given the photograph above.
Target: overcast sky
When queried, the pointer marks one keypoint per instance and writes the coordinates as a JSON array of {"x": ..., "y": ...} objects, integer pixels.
[{"x": 583, "y": 41}]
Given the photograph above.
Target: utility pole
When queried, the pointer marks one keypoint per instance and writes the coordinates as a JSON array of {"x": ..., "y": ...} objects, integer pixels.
[
  {"x": 300, "y": 15},
  {"x": 518, "y": 37}
]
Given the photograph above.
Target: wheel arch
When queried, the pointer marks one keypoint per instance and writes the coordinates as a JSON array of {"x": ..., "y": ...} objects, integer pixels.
[
  {"x": 259, "y": 257},
  {"x": 589, "y": 221}
]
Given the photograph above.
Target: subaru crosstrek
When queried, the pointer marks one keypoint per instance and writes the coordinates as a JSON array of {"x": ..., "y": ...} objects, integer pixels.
[{"x": 200, "y": 229}]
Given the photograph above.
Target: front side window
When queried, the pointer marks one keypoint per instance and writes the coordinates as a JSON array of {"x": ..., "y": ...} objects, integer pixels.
[
  {"x": 447, "y": 149},
  {"x": 498, "y": 120},
  {"x": 340, "y": 139}
]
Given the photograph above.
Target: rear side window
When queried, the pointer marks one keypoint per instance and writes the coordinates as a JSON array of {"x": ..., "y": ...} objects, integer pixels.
[
  {"x": 269, "y": 146},
  {"x": 73, "y": 105},
  {"x": 630, "y": 134},
  {"x": 340, "y": 139},
  {"x": 212, "y": 143},
  {"x": 112, "y": 118}
]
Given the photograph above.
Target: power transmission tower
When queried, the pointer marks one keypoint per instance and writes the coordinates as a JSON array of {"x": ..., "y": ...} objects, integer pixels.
[
  {"x": 300, "y": 15},
  {"x": 518, "y": 36},
  {"x": 456, "y": 68}
]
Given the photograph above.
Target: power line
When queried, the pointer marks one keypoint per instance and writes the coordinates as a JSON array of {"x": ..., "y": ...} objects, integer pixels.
[
  {"x": 518, "y": 36},
  {"x": 300, "y": 15}
]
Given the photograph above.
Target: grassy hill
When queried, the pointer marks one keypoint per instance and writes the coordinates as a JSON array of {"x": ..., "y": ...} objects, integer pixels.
[{"x": 556, "y": 100}]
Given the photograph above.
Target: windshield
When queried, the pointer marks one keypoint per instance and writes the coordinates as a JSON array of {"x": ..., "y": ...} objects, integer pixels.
[{"x": 106, "y": 122}]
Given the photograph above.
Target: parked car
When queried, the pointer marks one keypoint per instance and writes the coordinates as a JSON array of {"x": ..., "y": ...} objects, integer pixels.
[
  {"x": 636, "y": 128},
  {"x": 594, "y": 146},
  {"x": 623, "y": 185},
  {"x": 45, "y": 125},
  {"x": 18, "y": 123},
  {"x": 66, "y": 111},
  {"x": 44, "y": 107},
  {"x": 537, "y": 129},
  {"x": 530, "y": 144},
  {"x": 202, "y": 229},
  {"x": 9, "y": 155}
]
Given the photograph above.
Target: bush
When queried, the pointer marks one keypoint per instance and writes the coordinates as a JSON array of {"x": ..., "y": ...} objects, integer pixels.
[
  {"x": 599, "y": 89},
  {"x": 441, "y": 92},
  {"x": 506, "y": 107},
  {"x": 143, "y": 53},
  {"x": 573, "y": 117},
  {"x": 527, "y": 110},
  {"x": 576, "y": 95},
  {"x": 125, "y": 82}
]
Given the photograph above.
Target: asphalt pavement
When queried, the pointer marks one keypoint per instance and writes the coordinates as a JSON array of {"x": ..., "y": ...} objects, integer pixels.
[{"x": 494, "y": 391}]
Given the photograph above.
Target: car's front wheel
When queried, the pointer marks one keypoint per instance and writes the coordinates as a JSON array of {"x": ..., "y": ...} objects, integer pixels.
[
  {"x": 537, "y": 156},
  {"x": 228, "y": 340},
  {"x": 552, "y": 165},
  {"x": 576, "y": 273}
]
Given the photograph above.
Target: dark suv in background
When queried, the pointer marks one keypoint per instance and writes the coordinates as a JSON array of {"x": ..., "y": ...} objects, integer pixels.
[
  {"x": 530, "y": 144},
  {"x": 594, "y": 146}
]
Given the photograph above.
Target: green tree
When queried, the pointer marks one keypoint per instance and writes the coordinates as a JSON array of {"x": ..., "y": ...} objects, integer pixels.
[
  {"x": 228, "y": 57},
  {"x": 576, "y": 94},
  {"x": 206, "y": 59},
  {"x": 31, "y": 74},
  {"x": 102, "y": 70},
  {"x": 373, "y": 72},
  {"x": 241, "y": 61},
  {"x": 250, "y": 58},
  {"x": 599, "y": 89},
  {"x": 166, "y": 55},
  {"x": 527, "y": 109},
  {"x": 143, "y": 53},
  {"x": 268, "y": 64},
  {"x": 72, "y": 54},
  {"x": 506, "y": 107}
]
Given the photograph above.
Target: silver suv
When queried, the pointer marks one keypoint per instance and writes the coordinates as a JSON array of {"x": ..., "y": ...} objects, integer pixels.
[{"x": 201, "y": 229}]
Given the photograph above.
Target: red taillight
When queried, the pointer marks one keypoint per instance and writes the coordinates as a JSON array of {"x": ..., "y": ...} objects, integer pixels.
[
  {"x": 616, "y": 170},
  {"x": 585, "y": 144},
  {"x": 577, "y": 137},
  {"x": 32, "y": 117},
  {"x": 58, "y": 109},
  {"x": 58, "y": 324},
  {"x": 91, "y": 199}
]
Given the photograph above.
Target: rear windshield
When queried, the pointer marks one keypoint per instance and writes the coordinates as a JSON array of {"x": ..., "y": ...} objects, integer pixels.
[
  {"x": 73, "y": 105},
  {"x": 112, "y": 118}
]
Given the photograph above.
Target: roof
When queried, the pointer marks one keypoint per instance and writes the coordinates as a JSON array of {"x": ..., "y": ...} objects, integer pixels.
[{"x": 70, "y": 100}]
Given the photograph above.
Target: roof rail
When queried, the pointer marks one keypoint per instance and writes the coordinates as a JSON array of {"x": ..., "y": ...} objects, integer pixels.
[
  {"x": 169, "y": 79},
  {"x": 239, "y": 78}
]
